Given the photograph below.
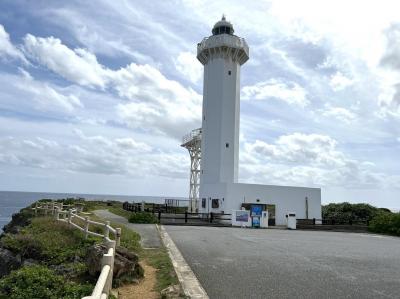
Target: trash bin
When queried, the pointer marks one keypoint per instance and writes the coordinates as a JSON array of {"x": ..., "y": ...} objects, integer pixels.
[
  {"x": 291, "y": 220},
  {"x": 264, "y": 219}
]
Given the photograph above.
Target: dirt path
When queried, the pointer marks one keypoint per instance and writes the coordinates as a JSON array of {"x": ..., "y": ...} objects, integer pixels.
[{"x": 144, "y": 289}]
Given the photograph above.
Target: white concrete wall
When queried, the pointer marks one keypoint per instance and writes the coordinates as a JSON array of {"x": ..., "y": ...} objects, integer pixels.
[{"x": 286, "y": 199}]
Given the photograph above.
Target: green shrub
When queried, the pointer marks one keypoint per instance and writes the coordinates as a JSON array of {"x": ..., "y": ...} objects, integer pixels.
[
  {"x": 386, "y": 223},
  {"x": 50, "y": 241},
  {"x": 40, "y": 282},
  {"x": 346, "y": 211},
  {"x": 143, "y": 217}
]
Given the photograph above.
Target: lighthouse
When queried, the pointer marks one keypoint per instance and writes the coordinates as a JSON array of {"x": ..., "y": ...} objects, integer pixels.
[
  {"x": 214, "y": 148},
  {"x": 222, "y": 55}
]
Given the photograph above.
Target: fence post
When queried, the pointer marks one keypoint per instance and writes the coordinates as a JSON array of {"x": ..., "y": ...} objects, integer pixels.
[
  {"x": 109, "y": 260},
  {"x": 107, "y": 230},
  {"x": 86, "y": 227},
  {"x": 186, "y": 214},
  {"x": 56, "y": 213},
  {"x": 313, "y": 221},
  {"x": 159, "y": 216},
  {"x": 45, "y": 209},
  {"x": 69, "y": 216},
  {"x": 118, "y": 236},
  {"x": 36, "y": 208}
]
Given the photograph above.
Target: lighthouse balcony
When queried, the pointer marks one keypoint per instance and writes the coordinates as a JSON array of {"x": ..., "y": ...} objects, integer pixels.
[{"x": 223, "y": 44}]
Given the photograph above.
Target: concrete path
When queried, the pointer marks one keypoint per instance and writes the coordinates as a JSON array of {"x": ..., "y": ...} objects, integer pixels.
[
  {"x": 247, "y": 263},
  {"x": 150, "y": 238}
]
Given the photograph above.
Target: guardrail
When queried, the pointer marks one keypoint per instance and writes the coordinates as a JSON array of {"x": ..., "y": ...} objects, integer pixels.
[{"x": 104, "y": 282}]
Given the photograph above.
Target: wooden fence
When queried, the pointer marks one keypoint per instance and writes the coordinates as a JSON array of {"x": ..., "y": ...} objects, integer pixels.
[{"x": 67, "y": 214}]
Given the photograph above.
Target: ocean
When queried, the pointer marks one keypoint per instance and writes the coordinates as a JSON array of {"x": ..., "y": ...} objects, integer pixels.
[{"x": 12, "y": 201}]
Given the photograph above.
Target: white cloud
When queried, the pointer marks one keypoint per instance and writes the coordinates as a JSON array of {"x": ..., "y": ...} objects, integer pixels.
[
  {"x": 76, "y": 65},
  {"x": 342, "y": 114},
  {"x": 339, "y": 81},
  {"x": 188, "y": 65},
  {"x": 289, "y": 92},
  {"x": 47, "y": 98},
  {"x": 97, "y": 154},
  {"x": 155, "y": 102},
  {"x": 312, "y": 159},
  {"x": 7, "y": 49}
]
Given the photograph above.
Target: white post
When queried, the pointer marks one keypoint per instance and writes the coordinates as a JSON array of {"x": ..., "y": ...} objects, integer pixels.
[
  {"x": 118, "y": 236},
  {"x": 52, "y": 208},
  {"x": 57, "y": 214},
  {"x": 45, "y": 209},
  {"x": 36, "y": 208},
  {"x": 86, "y": 227},
  {"x": 69, "y": 216},
  {"x": 107, "y": 230}
]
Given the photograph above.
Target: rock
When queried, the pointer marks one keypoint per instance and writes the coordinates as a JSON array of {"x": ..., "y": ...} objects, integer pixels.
[
  {"x": 18, "y": 221},
  {"x": 125, "y": 263},
  {"x": 29, "y": 262},
  {"x": 8, "y": 261},
  {"x": 173, "y": 291}
]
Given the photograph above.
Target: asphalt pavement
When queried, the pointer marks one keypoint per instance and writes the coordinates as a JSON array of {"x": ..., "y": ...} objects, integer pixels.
[
  {"x": 149, "y": 236},
  {"x": 255, "y": 263}
]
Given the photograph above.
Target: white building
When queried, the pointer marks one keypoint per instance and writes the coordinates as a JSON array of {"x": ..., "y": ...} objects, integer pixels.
[{"x": 222, "y": 55}]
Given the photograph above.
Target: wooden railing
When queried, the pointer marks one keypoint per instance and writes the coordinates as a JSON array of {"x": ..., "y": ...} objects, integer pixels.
[{"x": 67, "y": 214}]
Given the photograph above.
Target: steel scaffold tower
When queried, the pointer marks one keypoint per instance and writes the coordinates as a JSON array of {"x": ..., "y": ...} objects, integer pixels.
[{"x": 192, "y": 142}]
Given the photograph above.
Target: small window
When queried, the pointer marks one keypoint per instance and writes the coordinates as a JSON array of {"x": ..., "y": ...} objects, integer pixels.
[
  {"x": 229, "y": 73},
  {"x": 203, "y": 202},
  {"x": 226, "y": 145},
  {"x": 215, "y": 203}
]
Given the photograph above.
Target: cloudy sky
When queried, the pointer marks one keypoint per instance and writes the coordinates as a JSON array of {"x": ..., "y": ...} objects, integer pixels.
[{"x": 96, "y": 95}]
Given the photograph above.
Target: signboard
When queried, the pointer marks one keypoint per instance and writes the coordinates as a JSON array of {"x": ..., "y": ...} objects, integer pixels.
[{"x": 242, "y": 216}]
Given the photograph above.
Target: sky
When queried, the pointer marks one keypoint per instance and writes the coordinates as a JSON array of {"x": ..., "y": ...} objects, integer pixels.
[{"x": 95, "y": 96}]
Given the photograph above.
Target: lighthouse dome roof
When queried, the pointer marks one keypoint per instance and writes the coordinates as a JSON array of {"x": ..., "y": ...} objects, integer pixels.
[{"x": 222, "y": 26}]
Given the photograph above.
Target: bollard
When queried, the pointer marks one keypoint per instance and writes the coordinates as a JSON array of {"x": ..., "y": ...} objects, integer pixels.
[
  {"x": 86, "y": 227},
  {"x": 52, "y": 208},
  {"x": 159, "y": 216},
  {"x": 186, "y": 214}
]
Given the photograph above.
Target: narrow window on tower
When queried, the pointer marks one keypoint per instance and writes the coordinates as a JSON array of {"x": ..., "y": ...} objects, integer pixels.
[
  {"x": 229, "y": 73},
  {"x": 226, "y": 145}
]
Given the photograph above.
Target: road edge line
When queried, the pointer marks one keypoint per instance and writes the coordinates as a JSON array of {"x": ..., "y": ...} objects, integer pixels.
[{"x": 188, "y": 280}]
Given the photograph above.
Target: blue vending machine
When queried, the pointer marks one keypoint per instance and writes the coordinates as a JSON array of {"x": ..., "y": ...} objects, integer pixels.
[{"x": 255, "y": 213}]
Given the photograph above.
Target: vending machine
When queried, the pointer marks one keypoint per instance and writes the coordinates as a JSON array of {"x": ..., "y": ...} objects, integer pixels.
[{"x": 255, "y": 214}]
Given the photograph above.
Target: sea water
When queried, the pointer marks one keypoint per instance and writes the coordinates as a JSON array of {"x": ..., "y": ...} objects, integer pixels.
[{"x": 11, "y": 201}]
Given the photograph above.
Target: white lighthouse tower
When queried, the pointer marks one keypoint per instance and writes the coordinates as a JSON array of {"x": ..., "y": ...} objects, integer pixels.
[{"x": 222, "y": 54}]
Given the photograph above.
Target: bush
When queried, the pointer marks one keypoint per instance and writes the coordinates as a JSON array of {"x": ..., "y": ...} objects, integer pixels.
[
  {"x": 50, "y": 241},
  {"x": 40, "y": 282},
  {"x": 143, "y": 217},
  {"x": 386, "y": 223},
  {"x": 346, "y": 211}
]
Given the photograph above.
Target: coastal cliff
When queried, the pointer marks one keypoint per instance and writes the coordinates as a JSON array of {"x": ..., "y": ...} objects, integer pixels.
[{"x": 44, "y": 258}]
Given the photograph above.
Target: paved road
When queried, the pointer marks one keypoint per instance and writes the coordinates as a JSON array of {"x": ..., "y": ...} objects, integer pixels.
[
  {"x": 149, "y": 236},
  {"x": 245, "y": 263}
]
